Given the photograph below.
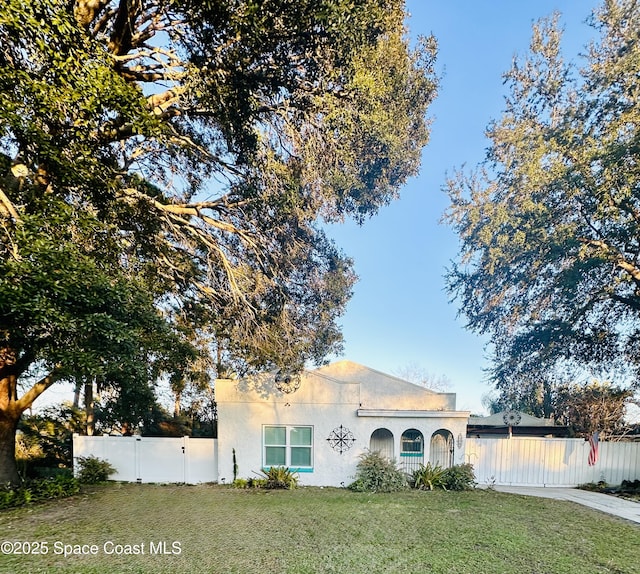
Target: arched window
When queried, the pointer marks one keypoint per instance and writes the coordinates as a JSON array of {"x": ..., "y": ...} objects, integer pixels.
[
  {"x": 382, "y": 441},
  {"x": 441, "y": 449},
  {"x": 411, "y": 450}
]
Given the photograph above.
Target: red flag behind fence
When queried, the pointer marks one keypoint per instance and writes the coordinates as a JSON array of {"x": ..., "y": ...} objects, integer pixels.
[{"x": 593, "y": 451}]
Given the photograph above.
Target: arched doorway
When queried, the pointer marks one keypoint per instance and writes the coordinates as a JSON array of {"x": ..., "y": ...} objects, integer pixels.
[
  {"x": 441, "y": 450},
  {"x": 382, "y": 441},
  {"x": 411, "y": 450}
]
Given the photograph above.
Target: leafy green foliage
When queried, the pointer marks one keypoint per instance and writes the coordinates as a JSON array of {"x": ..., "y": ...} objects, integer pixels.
[
  {"x": 549, "y": 225},
  {"x": 432, "y": 477},
  {"x": 191, "y": 422},
  {"x": 164, "y": 171},
  {"x": 459, "y": 477},
  {"x": 428, "y": 477},
  {"x": 596, "y": 406},
  {"x": 38, "y": 490},
  {"x": 93, "y": 470},
  {"x": 376, "y": 473},
  {"x": 280, "y": 477},
  {"x": 44, "y": 444}
]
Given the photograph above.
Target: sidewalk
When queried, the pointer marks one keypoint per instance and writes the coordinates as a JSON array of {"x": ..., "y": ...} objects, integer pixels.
[{"x": 626, "y": 509}]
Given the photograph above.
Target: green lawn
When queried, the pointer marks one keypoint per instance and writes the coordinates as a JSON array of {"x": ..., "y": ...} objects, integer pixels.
[{"x": 220, "y": 529}]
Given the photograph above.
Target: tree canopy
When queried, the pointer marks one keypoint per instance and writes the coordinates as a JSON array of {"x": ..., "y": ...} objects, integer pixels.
[
  {"x": 164, "y": 169},
  {"x": 549, "y": 224}
]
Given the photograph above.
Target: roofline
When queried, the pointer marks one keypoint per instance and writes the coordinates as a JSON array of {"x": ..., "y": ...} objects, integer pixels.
[
  {"x": 413, "y": 414},
  {"x": 315, "y": 371}
]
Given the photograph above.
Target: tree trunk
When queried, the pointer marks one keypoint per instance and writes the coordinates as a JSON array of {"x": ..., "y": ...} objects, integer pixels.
[
  {"x": 89, "y": 407},
  {"x": 8, "y": 468},
  {"x": 176, "y": 405},
  {"x": 12, "y": 407},
  {"x": 76, "y": 395}
]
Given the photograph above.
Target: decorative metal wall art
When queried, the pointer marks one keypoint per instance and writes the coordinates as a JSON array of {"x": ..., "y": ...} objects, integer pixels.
[
  {"x": 512, "y": 418},
  {"x": 341, "y": 439},
  {"x": 287, "y": 383}
]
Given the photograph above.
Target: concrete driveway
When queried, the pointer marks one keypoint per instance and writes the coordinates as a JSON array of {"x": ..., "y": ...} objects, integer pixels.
[{"x": 627, "y": 509}]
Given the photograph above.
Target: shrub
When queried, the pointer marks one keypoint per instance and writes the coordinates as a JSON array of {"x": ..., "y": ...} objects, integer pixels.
[
  {"x": 44, "y": 440},
  {"x": 94, "y": 470},
  {"x": 428, "y": 477},
  {"x": 594, "y": 486},
  {"x": 256, "y": 482},
  {"x": 280, "y": 477},
  {"x": 459, "y": 477},
  {"x": 38, "y": 490},
  {"x": 375, "y": 473}
]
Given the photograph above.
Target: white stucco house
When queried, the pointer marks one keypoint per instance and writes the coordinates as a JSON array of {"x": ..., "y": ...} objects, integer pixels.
[{"x": 319, "y": 424}]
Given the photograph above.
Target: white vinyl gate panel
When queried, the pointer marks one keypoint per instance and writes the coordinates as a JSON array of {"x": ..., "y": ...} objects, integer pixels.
[
  {"x": 153, "y": 459},
  {"x": 526, "y": 461},
  {"x": 119, "y": 453},
  {"x": 201, "y": 460},
  {"x": 161, "y": 459}
]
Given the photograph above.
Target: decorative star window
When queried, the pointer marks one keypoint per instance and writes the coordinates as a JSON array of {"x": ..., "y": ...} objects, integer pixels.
[{"x": 341, "y": 439}]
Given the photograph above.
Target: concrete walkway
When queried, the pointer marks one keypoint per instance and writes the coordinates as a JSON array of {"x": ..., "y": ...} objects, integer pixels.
[{"x": 628, "y": 509}]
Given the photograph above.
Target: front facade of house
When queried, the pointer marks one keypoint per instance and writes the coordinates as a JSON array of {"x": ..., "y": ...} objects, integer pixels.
[{"x": 319, "y": 424}]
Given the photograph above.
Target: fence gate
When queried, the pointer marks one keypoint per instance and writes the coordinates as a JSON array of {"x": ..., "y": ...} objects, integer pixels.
[
  {"x": 441, "y": 449},
  {"x": 153, "y": 459}
]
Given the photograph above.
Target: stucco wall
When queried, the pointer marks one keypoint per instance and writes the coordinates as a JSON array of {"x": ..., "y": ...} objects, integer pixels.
[
  {"x": 241, "y": 429},
  {"x": 325, "y": 403}
]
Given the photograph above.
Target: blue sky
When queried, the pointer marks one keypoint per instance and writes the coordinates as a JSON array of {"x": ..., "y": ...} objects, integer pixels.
[{"x": 400, "y": 314}]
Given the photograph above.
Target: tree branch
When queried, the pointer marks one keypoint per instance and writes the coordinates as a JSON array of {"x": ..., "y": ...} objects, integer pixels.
[
  {"x": 620, "y": 261},
  {"x": 7, "y": 208},
  {"x": 26, "y": 400}
]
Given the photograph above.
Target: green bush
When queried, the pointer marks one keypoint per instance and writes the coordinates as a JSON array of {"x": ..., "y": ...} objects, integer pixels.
[
  {"x": 256, "y": 482},
  {"x": 428, "y": 477},
  {"x": 280, "y": 477},
  {"x": 94, "y": 470},
  {"x": 44, "y": 440},
  {"x": 459, "y": 477},
  {"x": 38, "y": 490},
  {"x": 594, "y": 486},
  {"x": 375, "y": 473}
]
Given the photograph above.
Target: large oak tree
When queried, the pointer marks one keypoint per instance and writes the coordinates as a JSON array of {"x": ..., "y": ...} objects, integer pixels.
[
  {"x": 550, "y": 224},
  {"x": 165, "y": 168}
]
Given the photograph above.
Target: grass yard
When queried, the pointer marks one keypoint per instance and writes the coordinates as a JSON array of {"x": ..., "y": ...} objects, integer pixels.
[{"x": 218, "y": 529}]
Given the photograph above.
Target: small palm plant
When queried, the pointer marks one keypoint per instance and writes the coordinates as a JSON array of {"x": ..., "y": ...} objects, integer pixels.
[
  {"x": 280, "y": 477},
  {"x": 429, "y": 477}
]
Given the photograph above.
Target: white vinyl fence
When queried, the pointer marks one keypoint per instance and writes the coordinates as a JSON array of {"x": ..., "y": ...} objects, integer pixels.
[
  {"x": 150, "y": 459},
  {"x": 501, "y": 461},
  {"x": 526, "y": 461}
]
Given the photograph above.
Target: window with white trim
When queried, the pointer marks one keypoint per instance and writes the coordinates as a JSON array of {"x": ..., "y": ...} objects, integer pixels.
[{"x": 290, "y": 446}]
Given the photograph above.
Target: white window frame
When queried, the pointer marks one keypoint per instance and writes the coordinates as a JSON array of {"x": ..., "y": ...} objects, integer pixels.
[{"x": 287, "y": 446}]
